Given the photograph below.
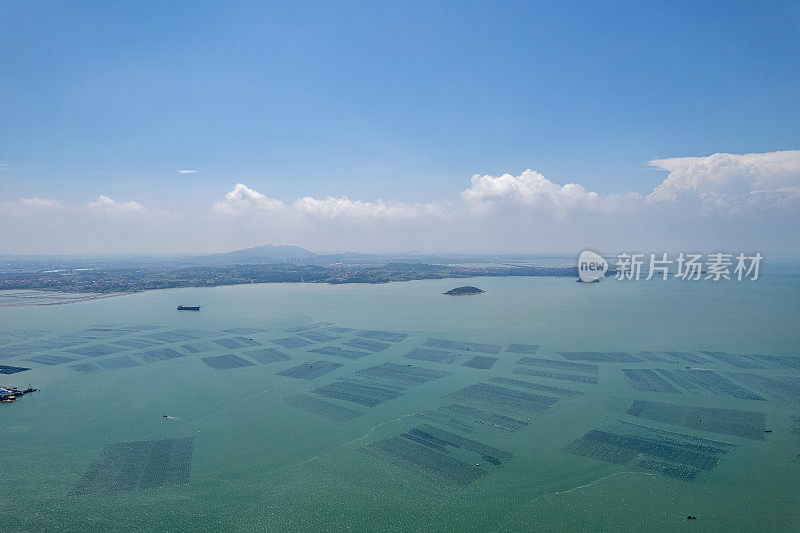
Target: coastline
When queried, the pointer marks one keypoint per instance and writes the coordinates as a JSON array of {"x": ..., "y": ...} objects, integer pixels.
[{"x": 84, "y": 297}]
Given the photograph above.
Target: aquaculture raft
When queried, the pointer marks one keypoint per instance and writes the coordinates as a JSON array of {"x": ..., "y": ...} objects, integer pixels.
[{"x": 10, "y": 394}]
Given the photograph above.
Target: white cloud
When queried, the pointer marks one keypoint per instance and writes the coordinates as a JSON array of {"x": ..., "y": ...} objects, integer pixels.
[
  {"x": 716, "y": 202},
  {"x": 730, "y": 181},
  {"x": 726, "y": 183},
  {"x": 346, "y": 208},
  {"x": 105, "y": 204},
  {"x": 243, "y": 199},
  {"x": 39, "y": 202},
  {"x": 532, "y": 191},
  {"x": 187, "y": 171}
]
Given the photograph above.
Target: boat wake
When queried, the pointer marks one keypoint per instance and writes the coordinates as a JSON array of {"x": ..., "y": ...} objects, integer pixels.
[{"x": 599, "y": 480}]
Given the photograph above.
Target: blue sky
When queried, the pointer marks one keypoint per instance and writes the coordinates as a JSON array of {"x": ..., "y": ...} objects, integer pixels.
[{"x": 400, "y": 101}]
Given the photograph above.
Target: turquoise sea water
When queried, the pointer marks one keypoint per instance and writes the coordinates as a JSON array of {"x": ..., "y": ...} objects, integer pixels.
[{"x": 260, "y": 463}]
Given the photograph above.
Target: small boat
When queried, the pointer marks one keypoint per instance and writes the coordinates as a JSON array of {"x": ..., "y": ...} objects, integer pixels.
[
  {"x": 189, "y": 307},
  {"x": 10, "y": 394}
]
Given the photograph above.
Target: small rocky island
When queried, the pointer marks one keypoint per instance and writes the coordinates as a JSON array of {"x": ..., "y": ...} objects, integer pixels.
[{"x": 461, "y": 291}]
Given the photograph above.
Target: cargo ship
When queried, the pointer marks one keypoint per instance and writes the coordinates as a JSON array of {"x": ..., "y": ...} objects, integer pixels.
[{"x": 189, "y": 307}]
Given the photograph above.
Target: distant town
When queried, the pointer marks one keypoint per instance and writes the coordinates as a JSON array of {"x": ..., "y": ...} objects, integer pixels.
[{"x": 263, "y": 264}]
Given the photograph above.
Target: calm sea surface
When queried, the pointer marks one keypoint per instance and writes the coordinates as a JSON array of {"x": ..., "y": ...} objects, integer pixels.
[{"x": 153, "y": 418}]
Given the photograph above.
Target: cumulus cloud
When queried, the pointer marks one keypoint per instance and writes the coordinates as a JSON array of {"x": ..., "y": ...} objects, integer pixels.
[
  {"x": 531, "y": 190},
  {"x": 724, "y": 183},
  {"x": 346, "y": 208},
  {"x": 105, "y": 204},
  {"x": 186, "y": 171},
  {"x": 730, "y": 181},
  {"x": 526, "y": 213},
  {"x": 242, "y": 199},
  {"x": 39, "y": 202}
]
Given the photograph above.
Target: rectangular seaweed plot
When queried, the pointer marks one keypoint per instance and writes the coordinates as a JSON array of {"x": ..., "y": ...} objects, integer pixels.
[
  {"x": 266, "y": 356},
  {"x": 48, "y": 359},
  {"x": 486, "y": 392},
  {"x": 687, "y": 357},
  {"x": 306, "y": 327},
  {"x": 243, "y": 331},
  {"x": 529, "y": 349},
  {"x": 163, "y": 354},
  {"x": 557, "y": 375},
  {"x": 59, "y": 342},
  {"x": 383, "y": 336},
  {"x": 456, "y": 414},
  {"x": 681, "y": 379},
  {"x": 748, "y": 424},
  {"x": 601, "y": 357},
  {"x": 86, "y": 368},
  {"x": 784, "y": 388},
  {"x": 790, "y": 362},
  {"x": 97, "y": 350},
  {"x": 173, "y": 336},
  {"x": 434, "y": 356},
  {"x": 367, "y": 344},
  {"x": 655, "y": 357},
  {"x": 101, "y": 332},
  {"x": 340, "y": 352},
  {"x": 16, "y": 351},
  {"x": 712, "y": 383},
  {"x": 682, "y": 472},
  {"x": 562, "y": 365},
  {"x": 317, "y": 406},
  {"x": 236, "y": 342},
  {"x": 318, "y": 336},
  {"x": 437, "y": 438},
  {"x": 226, "y": 362},
  {"x": 463, "y": 346},
  {"x": 142, "y": 327},
  {"x": 135, "y": 343},
  {"x": 310, "y": 370},
  {"x": 481, "y": 361},
  {"x": 646, "y": 380},
  {"x": 198, "y": 347},
  {"x": 115, "y": 363},
  {"x": 339, "y": 329},
  {"x": 5, "y": 369},
  {"x": 719, "y": 446},
  {"x": 367, "y": 395},
  {"x": 394, "y": 375},
  {"x": 597, "y": 445},
  {"x": 536, "y": 386},
  {"x": 739, "y": 361},
  {"x": 427, "y": 461},
  {"x": 621, "y": 448},
  {"x": 293, "y": 342},
  {"x": 141, "y": 465}
]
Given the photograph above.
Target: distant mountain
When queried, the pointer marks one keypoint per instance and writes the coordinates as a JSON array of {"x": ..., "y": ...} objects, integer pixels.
[{"x": 268, "y": 253}]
